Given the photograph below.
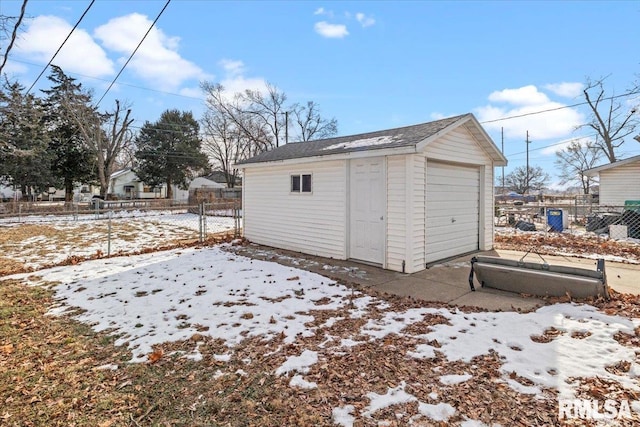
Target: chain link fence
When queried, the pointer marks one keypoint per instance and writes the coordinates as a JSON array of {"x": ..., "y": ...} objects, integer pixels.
[
  {"x": 38, "y": 234},
  {"x": 581, "y": 214}
]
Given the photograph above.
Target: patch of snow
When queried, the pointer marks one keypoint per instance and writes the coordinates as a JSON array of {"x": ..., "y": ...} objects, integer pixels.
[
  {"x": 299, "y": 381},
  {"x": 455, "y": 379},
  {"x": 342, "y": 416},
  {"x": 523, "y": 389},
  {"x": 393, "y": 323},
  {"x": 439, "y": 412},
  {"x": 393, "y": 396},
  {"x": 151, "y": 299},
  {"x": 107, "y": 367},
  {"x": 550, "y": 364},
  {"x": 300, "y": 363},
  {"x": 364, "y": 142}
]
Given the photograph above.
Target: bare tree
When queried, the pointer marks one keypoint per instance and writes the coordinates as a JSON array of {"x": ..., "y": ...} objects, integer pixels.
[
  {"x": 244, "y": 124},
  {"x": 610, "y": 119},
  {"x": 268, "y": 109},
  {"x": 241, "y": 114},
  {"x": 574, "y": 160},
  {"x": 311, "y": 124},
  {"x": 108, "y": 135},
  {"x": 224, "y": 143},
  {"x": 9, "y": 26},
  {"x": 522, "y": 182}
]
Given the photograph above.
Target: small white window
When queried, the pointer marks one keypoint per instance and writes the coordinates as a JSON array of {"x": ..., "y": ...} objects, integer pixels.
[{"x": 301, "y": 183}]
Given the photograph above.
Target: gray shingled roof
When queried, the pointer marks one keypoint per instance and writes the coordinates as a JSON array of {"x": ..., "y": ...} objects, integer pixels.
[{"x": 390, "y": 138}]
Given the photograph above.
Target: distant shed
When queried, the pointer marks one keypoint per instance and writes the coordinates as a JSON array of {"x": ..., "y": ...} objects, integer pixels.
[
  {"x": 399, "y": 198},
  {"x": 619, "y": 181}
]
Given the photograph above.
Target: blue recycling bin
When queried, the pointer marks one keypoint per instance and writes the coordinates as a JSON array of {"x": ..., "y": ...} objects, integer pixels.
[{"x": 554, "y": 220}]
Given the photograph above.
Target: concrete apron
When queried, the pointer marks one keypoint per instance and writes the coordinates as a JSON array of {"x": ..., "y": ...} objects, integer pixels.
[{"x": 447, "y": 282}]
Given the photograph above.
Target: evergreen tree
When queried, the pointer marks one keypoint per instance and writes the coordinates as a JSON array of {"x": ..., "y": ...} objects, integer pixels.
[
  {"x": 73, "y": 161},
  {"x": 24, "y": 160},
  {"x": 169, "y": 151}
]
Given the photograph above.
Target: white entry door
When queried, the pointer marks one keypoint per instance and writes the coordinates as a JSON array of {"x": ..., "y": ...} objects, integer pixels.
[
  {"x": 453, "y": 210},
  {"x": 367, "y": 210}
]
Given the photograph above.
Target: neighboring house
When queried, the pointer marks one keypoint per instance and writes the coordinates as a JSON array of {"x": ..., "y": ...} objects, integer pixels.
[
  {"x": 124, "y": 184},
  {"x": 400, "y": 198},
  {"x": 204, "y": 188},
  {"x": 205, "y": 182},
  {"x": 619, "y": 181},
  {"x": 219, "y": 177}
]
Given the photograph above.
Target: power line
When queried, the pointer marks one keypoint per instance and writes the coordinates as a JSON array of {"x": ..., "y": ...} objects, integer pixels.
[
  {"x": 134, "y": 52},
  {"x": 633, "y": 92},
  {"x": 73, "y": 73},
  {"x": 59, "y": 48}
]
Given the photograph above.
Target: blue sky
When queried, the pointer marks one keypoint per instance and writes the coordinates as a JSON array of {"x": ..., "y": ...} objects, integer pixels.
[{"x": 370, "y": 64}]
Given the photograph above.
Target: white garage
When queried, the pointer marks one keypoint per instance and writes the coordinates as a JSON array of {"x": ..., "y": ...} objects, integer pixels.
[{"x": 400, "y": 198}]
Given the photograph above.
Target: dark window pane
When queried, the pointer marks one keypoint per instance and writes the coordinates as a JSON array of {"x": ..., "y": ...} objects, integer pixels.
[
  {"x": 306, "y": 183},
  {"x": 295, "y": 183}
]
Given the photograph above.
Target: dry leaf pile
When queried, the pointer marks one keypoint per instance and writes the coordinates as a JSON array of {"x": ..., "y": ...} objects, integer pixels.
[
  {"x": 567, "y": 244},
  {"x": 55, "y": 371}
]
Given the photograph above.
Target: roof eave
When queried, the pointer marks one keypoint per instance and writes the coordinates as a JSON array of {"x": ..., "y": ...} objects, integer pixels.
[
  {"x": 338, "y": 156},
  {"x": 595, "y": 171}
]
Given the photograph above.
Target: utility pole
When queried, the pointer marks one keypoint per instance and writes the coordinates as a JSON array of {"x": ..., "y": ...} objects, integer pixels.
[
  {"x": 526, "y": 191},
  {"x": 502, "y": 150}
]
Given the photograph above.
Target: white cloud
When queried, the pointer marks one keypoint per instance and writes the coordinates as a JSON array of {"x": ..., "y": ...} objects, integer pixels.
[
  {"x": 335, "y": 31},
  {"x": 365, "y": 21},
  {"x": 192, "y": 92},
  {"x": 565, "y": 89},
  {"x": 12, "y": 68},
  {"x": 528, "y": 102},
  {"x": 80, "y": 54},
  {"x": 236, "y": 84},
  {"x": 157, "y": 58},
  {"x": 235, "y": 81},
  {"x": 526, "y": 95},
  {"x": 319, "y": 11},
  {"x": 232, "y": 67}
]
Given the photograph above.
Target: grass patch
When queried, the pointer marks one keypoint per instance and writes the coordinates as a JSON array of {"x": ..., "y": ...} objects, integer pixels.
[{"x": 49, "y": 377}]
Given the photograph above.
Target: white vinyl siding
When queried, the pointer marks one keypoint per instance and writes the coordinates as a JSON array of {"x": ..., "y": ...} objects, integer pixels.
[
  {"x": 620, "y": 183},
  {"x": 313, "y": 223},
  {"x": 453, "y": 210},
  {"x": 457, "y": 146},
  {"x": 396, "y": 212},
  {"x": 418, "y": 211},
  {"x": 487, "y": 203},
  {"x": 449, "y": 177}
]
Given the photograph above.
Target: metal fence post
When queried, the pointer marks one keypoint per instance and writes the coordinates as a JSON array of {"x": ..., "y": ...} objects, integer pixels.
[
  {"x": 204, "y": 221},
  {"x": 109, "y": 234},
  {"x": 237, "y": 219},
  {"x": 200, "y": 215}
]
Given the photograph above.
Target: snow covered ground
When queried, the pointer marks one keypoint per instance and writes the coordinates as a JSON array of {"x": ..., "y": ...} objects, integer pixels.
[
  {"x": 46, "y": 239},
  {"x": 147, "y": 300}
]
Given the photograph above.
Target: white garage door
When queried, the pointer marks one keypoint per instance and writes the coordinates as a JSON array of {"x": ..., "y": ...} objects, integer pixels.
[{"x": 453, "y": 210}]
